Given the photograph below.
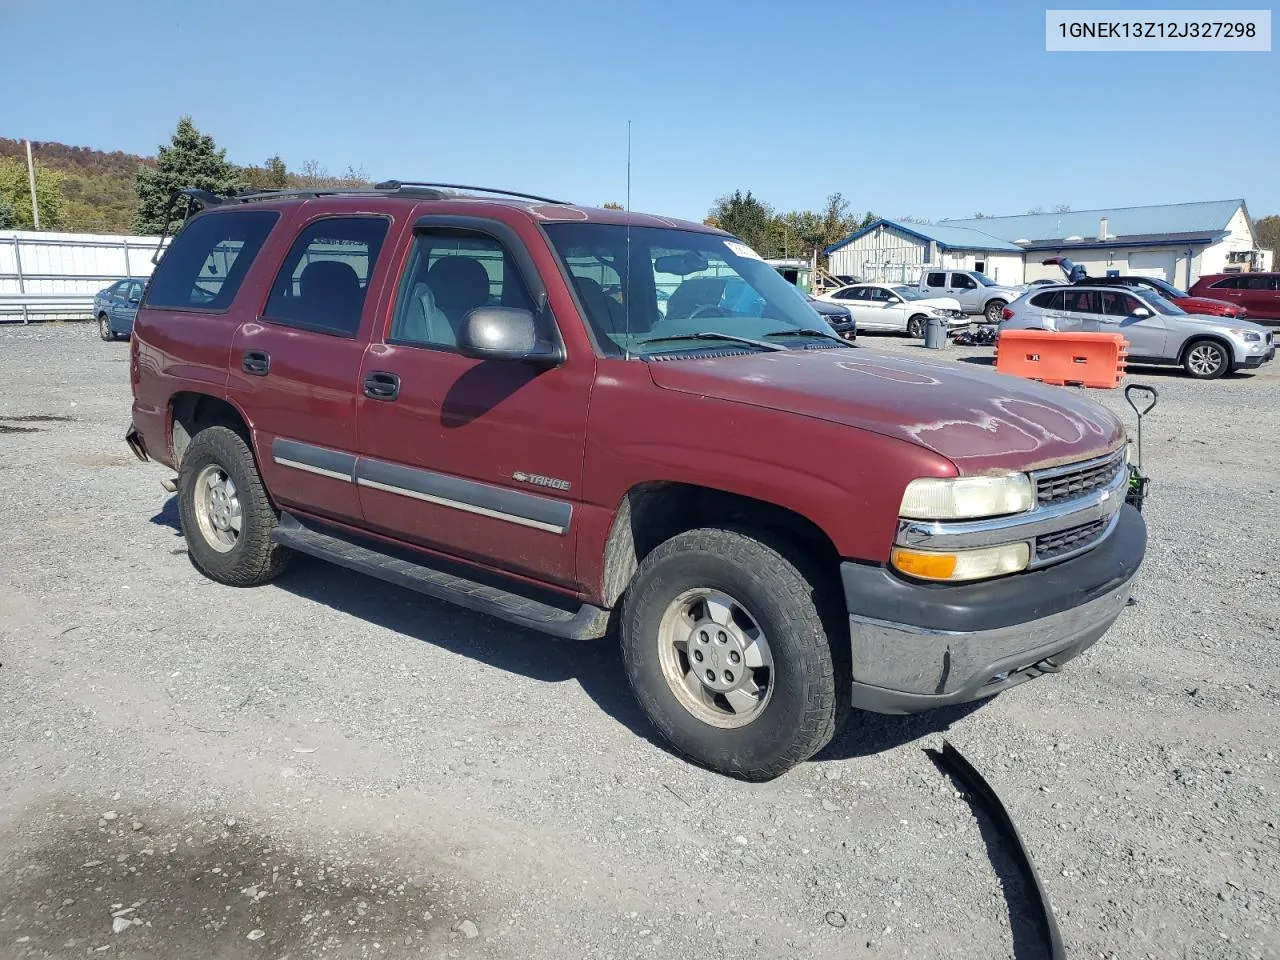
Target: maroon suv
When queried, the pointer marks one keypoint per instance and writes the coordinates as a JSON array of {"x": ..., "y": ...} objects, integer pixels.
[
  {"x": 1259, "y": 293},
  {"x": 588, "y": 421}
]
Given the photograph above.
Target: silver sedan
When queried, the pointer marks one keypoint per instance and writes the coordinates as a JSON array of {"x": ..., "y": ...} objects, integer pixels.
[{"x": 1158, "y": 331}]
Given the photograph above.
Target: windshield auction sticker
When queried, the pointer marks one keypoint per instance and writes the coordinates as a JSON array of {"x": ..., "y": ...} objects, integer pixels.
[
  {"x": 1158, "y": 31},
  {"x": 742, "y": 250}
]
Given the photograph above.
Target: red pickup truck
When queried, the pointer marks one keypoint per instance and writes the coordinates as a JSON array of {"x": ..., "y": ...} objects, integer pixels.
[{"x": 591, "y": 422}]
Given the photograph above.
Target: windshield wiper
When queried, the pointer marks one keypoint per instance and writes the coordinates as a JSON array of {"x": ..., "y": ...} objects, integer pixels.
[
  {"x": 712, "y": 335},
  {"x": 808, "y": 332}
]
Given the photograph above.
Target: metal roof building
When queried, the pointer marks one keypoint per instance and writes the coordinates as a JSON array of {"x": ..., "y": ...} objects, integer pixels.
[{"x": 1176, "y": 242}]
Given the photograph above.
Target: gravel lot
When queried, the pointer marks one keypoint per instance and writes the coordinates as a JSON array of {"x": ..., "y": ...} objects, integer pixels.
[{"x": 330, "y": 766}]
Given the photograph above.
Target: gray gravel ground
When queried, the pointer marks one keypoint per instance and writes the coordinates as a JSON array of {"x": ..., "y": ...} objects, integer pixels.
[{"x": 333, "y": 767}]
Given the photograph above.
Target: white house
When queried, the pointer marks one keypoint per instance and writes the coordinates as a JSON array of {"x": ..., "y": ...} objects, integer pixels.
[{"x": 1177, "y": 242}]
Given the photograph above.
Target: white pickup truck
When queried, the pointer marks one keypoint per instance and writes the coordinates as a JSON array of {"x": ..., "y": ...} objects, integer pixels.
[{"x": 975, "y": 292}]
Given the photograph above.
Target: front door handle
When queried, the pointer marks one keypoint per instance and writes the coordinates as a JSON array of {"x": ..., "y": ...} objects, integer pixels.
[
  {"x": 381, "y": 386},
  {"x": 256, "y": 362}
]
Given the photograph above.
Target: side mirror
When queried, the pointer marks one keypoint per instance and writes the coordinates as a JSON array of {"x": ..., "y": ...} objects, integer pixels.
[
  {"x": 135, "y": 299},
  {"x": 1141, "y": 312},
  {"x": 504, "y": 333}
]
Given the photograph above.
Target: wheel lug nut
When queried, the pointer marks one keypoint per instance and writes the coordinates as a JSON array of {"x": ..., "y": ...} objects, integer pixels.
[
  {"x": 728, "y": 677},
  {"x": 697, "y": 655},
  {"x": 702, "y": 636},
  {"x": 721, "y": 638},
  {"x": 734, "y": 657},
  {"x": 711, "y": 676}
]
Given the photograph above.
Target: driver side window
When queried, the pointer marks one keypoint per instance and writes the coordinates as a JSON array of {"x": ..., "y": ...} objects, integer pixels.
[
  {"x": 449, "y": 274},
  {"x": 961, "y": 281}
]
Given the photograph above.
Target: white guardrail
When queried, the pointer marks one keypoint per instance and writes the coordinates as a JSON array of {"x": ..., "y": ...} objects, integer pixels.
[
  {"x": 49, "y": 276},
  {"x": 42, "y": 305}
]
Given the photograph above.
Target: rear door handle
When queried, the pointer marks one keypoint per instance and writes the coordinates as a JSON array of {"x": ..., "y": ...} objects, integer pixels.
[
  {"x": 381, "y": 386},
  {"x": 256, "y": 362}
]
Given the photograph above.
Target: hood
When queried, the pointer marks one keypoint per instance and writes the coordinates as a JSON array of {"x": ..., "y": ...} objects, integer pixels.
[
  {"x": 937, "y": 303},
  {"x": 1226, "y": 323},
  {"x": 981, "y": 421},
  {"x": 1202, "y": 304}
]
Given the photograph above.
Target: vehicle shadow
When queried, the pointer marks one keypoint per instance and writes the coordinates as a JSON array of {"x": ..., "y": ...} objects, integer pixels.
[
  {"x": 981, "y": 361},
  {"x": 596, "y": 665},
  {"x": 865, "y": 734}
]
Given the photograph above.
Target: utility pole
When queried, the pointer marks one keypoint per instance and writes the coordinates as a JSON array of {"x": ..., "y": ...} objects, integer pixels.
[
  {"x": 31, "y": 176},
  {"x": 628, "y": 164}
]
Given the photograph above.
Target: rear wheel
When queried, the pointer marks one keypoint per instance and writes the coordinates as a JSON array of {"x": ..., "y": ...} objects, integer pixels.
[
  {"x": 993, "y": 311},
  {"x": 1206, "y": 360},
  {"x": 915, "y": 326},
  {"x": 227, "y": 517},
  {"x": 104, "y": 327},
  {"x": 734, "y": 653}
]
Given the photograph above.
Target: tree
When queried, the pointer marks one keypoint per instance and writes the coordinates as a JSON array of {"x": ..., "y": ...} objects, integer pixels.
[
  {"x": 837, "y": 222},
  {"x": 272, "y": 175},
  {"x": 745, "y": 217},
  {"x": 980, "y": 216},
  {"x": 191, "y": 159},
  {"x": 1036, "y": 210},
  {"x": 1061, "y": 208},
  {"x": 611, "y": 206},
  {"x": 8, "y": 219},
  {"x": 1268, "y": 231},
  {"x": 910, "y": 218},
  {"x": 15, "y": 194}
]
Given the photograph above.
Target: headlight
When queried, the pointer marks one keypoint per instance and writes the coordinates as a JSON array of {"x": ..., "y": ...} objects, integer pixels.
[
  {"x": 963, "y": 498},
  {"x": 1248, "y": 336},
  {"x": 963, "y": 564}
]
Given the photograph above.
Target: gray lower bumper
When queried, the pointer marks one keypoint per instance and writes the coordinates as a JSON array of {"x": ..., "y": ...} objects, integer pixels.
[
  {"x": 918, "y": 646},
  {"x": 907, "y": 670}
]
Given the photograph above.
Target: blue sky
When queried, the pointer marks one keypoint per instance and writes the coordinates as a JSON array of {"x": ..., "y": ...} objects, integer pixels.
[{"x": 930, "y": 109}]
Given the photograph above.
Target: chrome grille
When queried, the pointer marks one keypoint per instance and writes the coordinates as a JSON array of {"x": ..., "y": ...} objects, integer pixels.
[
  {"x": 1072, "y": 540},
  {"x": 1067, "y": 483}
]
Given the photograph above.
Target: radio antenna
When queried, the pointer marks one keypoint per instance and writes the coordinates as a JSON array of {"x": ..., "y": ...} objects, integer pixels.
[{"x": 628, "y": 164}]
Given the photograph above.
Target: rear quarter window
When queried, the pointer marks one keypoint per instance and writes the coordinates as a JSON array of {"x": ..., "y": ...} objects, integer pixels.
[{"x": 208, "y": 259}]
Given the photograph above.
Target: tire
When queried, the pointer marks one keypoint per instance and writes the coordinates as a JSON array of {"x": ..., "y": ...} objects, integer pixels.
[
  {"x": 993, "y": 310},
  {"x": 1206, "y": 360},
  {"x": 803, "y": 693},
  {"x": 104, "y": 328},
  {"x": 915, "y": 326},
  {"x": 245, "y": 557}
]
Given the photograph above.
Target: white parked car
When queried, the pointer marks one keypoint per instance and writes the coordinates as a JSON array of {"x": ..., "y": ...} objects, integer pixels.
[{"x": 896, "y": 307}]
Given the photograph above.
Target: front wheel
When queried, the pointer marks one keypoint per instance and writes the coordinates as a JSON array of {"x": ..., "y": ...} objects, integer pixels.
[
  {"x": 104, "y": 327},
  {"x": 994, "y": 310},
  {"x": 1206, "y": 360},
  {"x": 736, "y": 656},
  {"x": 227, "y": 517},
  {"x": 915, "y": 326}
]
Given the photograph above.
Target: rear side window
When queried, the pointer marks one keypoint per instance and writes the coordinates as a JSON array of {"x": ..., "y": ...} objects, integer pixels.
[
  {"x": 1259, "y": 282},
  {"x": 1048, "y": 301},
  {"x": 1230, "y": 283},
  {"x": 936, "y": 280},
  {"x": 208, "y": 259},
  {"x": 323, "y": 282},
  {"x": 1082, "y": 301}
]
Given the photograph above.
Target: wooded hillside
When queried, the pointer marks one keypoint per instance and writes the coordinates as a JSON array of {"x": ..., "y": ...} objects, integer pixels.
[{"x": 98, "y": 188}]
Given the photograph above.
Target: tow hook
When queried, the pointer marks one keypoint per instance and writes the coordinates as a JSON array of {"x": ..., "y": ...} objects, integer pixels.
[{"x": 170, "y": 485}]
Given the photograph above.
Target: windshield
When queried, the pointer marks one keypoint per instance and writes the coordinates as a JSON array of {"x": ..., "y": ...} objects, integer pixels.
[
  {"x": 638, "y": 285},
  {"x": 909, "y": 293},
  {"x": 1168, "y": 289},
  {"x": 983, "y": 279},
  {"x": 1158, "y": 303}
]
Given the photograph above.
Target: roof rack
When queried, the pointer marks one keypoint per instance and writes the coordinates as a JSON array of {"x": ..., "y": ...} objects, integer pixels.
[
  {"x": 398, "y": 185},
  {"x": 297, "y": 193}
]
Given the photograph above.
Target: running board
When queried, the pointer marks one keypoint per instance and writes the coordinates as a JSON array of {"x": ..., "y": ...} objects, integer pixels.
[{"x": 587, "y": 623}]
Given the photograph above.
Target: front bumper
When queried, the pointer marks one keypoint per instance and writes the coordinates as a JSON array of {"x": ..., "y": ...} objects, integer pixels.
[
  {"x": 918, "y": 646},
  {"x": 1255, "y": 360}
]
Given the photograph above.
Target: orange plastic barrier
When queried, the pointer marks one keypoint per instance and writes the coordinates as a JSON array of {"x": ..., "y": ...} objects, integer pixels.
[{"x": 1058, "y": 358}]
